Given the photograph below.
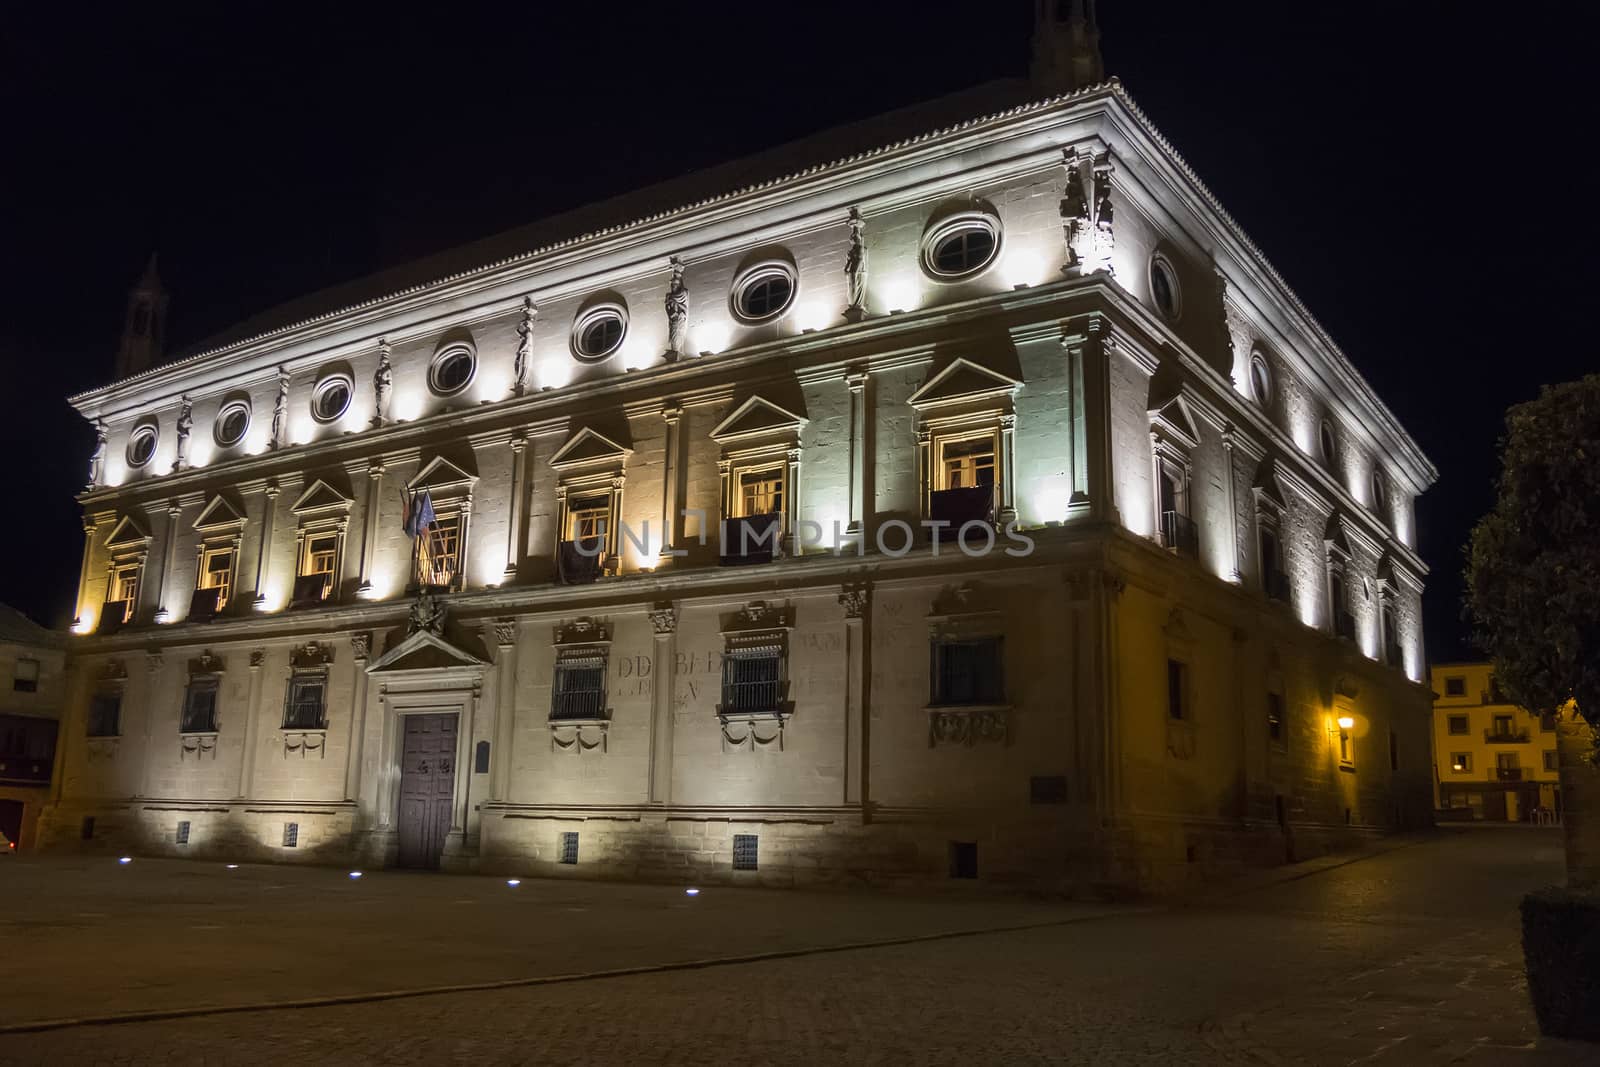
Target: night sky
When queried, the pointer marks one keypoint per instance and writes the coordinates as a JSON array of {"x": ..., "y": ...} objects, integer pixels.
[{"x": 1409, "y": 168}]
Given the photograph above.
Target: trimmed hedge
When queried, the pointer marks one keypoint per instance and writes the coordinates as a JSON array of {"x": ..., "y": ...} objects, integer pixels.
[{"x": 1561, "y": 950}]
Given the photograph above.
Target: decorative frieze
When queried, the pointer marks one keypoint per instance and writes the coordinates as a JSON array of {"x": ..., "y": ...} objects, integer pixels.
[
  {"x": 312, "y": 655},
  {"x": 968, "y": 726},
  {"x": 199, "y": 745},
  {"x": 361, "y": 646},
  {"x": 1086, "y": 213},
  {"x": 304, "y": 742},
  {"x": 577, "y": 738},
  {"x": 584, "y": 631},
  {"x": 505, "y": 632},
  {"x": 856, "y": 600},
  {"x": 664, "y": 619}
]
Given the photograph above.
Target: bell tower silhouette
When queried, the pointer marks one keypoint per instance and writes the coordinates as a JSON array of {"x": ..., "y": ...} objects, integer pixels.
[
  {"x": 1066, "y": 46},
  {"x": 144, "y": 328}
]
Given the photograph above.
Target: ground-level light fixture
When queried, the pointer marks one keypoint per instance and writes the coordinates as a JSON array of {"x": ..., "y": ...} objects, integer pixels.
[
  {"x": 125, "y": 860},
  {"x": 691, "y": 891},
  {"x": 355, "y": 874},
  {"x": 232, "y": 866},
  {"x": 513, "y": 882}
]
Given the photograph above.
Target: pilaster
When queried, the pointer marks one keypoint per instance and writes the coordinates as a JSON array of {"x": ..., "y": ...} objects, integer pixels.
[{"x": 664, "y": 621}]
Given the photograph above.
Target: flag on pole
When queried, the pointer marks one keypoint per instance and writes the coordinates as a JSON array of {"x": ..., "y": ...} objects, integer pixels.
[{"x": 420, "y": 516}]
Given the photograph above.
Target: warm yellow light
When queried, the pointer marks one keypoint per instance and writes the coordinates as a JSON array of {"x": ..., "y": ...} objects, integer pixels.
[{"x": 1346, "y": 722}]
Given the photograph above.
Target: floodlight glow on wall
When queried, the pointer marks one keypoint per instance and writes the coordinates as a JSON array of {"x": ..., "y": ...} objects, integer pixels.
[
  {"x": 711, "y": 338},
  {"x": 812, "y": 315},
  {"x": 900, "y": 294},
  {"x": 1023, "y": 268},
  {"x": 1346, "y": 722},
  {"x": 407, "y": 405}
]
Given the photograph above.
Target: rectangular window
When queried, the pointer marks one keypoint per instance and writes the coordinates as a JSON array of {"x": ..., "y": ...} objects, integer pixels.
[
  {"x": 1508, "y": 766},
  {"x": 744, "y": 852},
  {"x": 578, "y": 690},
  {"x": 569, "y": 847},
  {"x": 1503, "y": 726},
  {"x": 1276, "y": 732},
  {"x": 105, "y": 713},
  {"x": 1455, "y": 687},
  {"x": 1458, "y": 725},
  {"x": 752, "y": 680},
  {"x": 1273, "y": 581},
  {"x": 1047, "y": 789},
  {"x": 182, "y": 836},
  {"x": 968, "y": 671},
  {"x": 967, "y": 464},
  {"x": 438, "y": 554},
  {"x": 200, "y": 705},
  {"x": 216, "y": 572},
  {"x": 317, "y": 564},
  {"x": 291, "y": 835},
  {"x": 1552, "y": 761},
  {"x": 1177, "y": 690},
  {"x": 760, "y": 492},
  {"x": 588, "y": 517},
  {"x": 25, "y": 676},
  {"x": 1460, "y": 763},
  {"x": 963, "y": 859},
  {"x": 123, "y": 592},
  {"x": 1346, "y": 752},
  {"x": 305, "y": 702}
]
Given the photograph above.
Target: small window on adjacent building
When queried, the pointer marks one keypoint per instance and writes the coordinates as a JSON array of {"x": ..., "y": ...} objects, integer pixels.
[
  {"x": 578, "y": 690},
  {"x": 1508, "y": 765},
  {"x": 569, "y": 847},
  {"x": 1277, "y": 731},
  {"x": 1552, "y": 760},
  {"x": 1177, "y": 690},
  {"x": 1504, "y": 726},
  {"x": 1455, "y": 687},
  {"x": 745, "y": 856},
  {"x": 182, "y": 836},
  {"x": 305, "y": 705},
  {"x": 1047, "y": 789},
  {"x": 200, "y": 705},
  {"x": 963, "y": 859},
  {"x": 25, "y": 676},
  {"x": 1458, "y": 725},
  {"x": 291, "y": 835},
  {"x": 967, "y": 671},
  {"x": 105, "y": 713},
  {"x": 1460, "y": 763}
]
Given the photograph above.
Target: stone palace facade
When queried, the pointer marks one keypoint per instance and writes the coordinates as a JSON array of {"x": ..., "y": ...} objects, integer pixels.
[{"x": 960, "y": 494}]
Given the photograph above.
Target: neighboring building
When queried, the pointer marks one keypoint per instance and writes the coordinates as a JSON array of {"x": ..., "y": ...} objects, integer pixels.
[
  {"x": 1491, "y": 756},
  {"x": 1016, "y": 308},
  {"x": 31, "y": 672}
]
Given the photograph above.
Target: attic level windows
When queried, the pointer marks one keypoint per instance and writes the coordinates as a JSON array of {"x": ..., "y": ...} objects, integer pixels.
[
  {"x": 233, "y": 422},
  {"x": 961, "y": 245},
  {"x": 764, "y": 292},
  {"x": 142, "y": 446},
  {"x": 1260, "y": 379},
  {"x": 1327, "y": 443},
  {"x": 452, "y": 370},
  {"x": 331, "y": 398},
  {"x": 1380, "y": 493},
  {"x": 1165, "y": 292},
  {"x": 598, "y": 332}
]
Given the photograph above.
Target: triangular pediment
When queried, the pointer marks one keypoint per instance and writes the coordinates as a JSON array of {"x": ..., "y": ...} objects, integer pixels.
[
  {"x": 754, "y": 417},
  {"x": 424, "y": 650},
  {"x": 1267, "y": 485},
  {"x": 1174, "y": 418},
  {"x": 1335, "y": 537},
  {"x": 961, "y": 381},
  {"x": 439, "y": 473},
  {"x": 218, "y": 514},
  {"x": 317, "y": 496},
  {"x": 588, "y": 446},
  {"x": 126, "y": 534}
]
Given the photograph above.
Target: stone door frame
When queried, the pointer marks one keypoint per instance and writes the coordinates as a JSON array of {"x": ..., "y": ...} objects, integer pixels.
[{"x": 443, "y": 691}]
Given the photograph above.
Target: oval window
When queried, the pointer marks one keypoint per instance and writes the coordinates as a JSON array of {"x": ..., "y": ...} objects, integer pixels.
[
  {"x": 1260, "y": 380},
  {"x": 961, "y": 246},
  {"x": 763, "y": 292},
  {"x": 232, "y": 423},
  {"x": 452, "y": 370},
  {"x": 598, "y": 332},
  {"x": 1164, "y": 289},
  {"x": 142, "y": 446},
  {"x": 1327, "y": 442},
  {"x": 331, "y": 398}
]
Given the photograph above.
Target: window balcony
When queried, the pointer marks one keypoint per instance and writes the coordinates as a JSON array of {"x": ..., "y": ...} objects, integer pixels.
[
  {"x": 580, "y": 562},
  {"x": 754, "y": 697},
  {"x": 1508, "y": 774},
  {"x": 113, "y": 614},
  {"x": 1493, "y": 736},
  {"x": 203, "y": 606},
  {"x": 959, "y": 507},
  {"x": 1276, "y": 585},
  {"x": 1344, "y": 624},
  {"x": 310, "y": 591},
  {"x": 750, "y": 539},
  {"x": 1179, "y": 534}
]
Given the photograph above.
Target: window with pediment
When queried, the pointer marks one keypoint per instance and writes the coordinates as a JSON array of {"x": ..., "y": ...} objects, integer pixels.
[
  {"x": 322, "y": 516},
  {"x": 754, "y": 706},
  {"x": 591, "y": 473},
  {"x": 441, "y": 549},
  {"x": 965, "y": 423},
  {"x": 1271, "y": 566},
  {"x": 220, "y": 526},
  {"x": 1341, "y": 619},
  {"x": 1173, "y": 441},
  {"x": 127, "y": 551},
  {"x": 760, "y": 473}
]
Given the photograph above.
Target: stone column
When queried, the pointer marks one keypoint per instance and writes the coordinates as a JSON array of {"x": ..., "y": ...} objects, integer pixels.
[
  {"x": 169, "y": 555},
  {"x": 519, "y": 449},
  {"x": 505, "y": 709},
  {"x": 669, "y": 490},
  {"x": 369, "y": 529},
  {"x": 664, "y": 621},
  {"x": 857, "y": 603},
  {"x": 360, "y": 649},
  {"x": 264, "y": 549},
  {"x": 857, "y": 382},
  {"x": 252, "y": 726},
  {"x": 153, "y": 662},
  {"x": 83, "y": 571},
  {"x": 1234, "y": 574}
]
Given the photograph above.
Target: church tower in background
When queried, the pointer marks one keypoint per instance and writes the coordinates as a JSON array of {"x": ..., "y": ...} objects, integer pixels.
[
  {"x": 1066, "y": 46},
  {"x": 145, "y": 326}
]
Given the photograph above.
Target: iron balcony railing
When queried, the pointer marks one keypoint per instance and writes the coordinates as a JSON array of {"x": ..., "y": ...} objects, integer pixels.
[
  {"x": 582, "y": 561},
  {"x": 750, "y": 539},
  {"x": 1179, "y": 534},
  {"x": 957, "y": 507},
  {"x": 1508, "y": 774},
  {"x": 1505, "y": 737}
]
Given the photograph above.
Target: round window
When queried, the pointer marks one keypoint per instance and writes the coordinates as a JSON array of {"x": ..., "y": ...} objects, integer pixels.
[
  {"x": 142, "y": 446},
  {"x": 764, "y": 292},
  {"x": 598, "y": 332},
  {"x": 452, "y": 370},
  {"x": 1327, "y": 442},
  {"x": 961, "y": 246},
  {"x": 232, "y": 423},
  {"x": 1164, "y": 290},
  {"x": 331, "y": 398},
  {"x": 1260, "y": 379}
]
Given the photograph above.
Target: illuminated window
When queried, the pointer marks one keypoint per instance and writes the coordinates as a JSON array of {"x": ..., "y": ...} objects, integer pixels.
[
  {"x": 438, "y": 553},
  {"x": 588, "y": 517},
  {"x": 1346, "y": 749},
  {"x": 124, "y": 590},
  {"x": 25, "y": 676},
  {"x": 598, "y": 332},
  {"x": 216, "y": 572},
  {"x": 305, "y": 701},
  {"x": 961, "y": 245},
  {"x": 200, "y": 705},
  {"x": 142, "y": 446},
  {"x": 760, "y": 492},
  {"x": 318, "y": 563},
  {"x": 967, "y": 671},
  {"x": 1458, "y": 725},
  {"x": 764, "y": 292},
  {"x": 753, "y": 678},
  {"x": 1460, "y": 763},
  {"x": 966, "y": 464}
]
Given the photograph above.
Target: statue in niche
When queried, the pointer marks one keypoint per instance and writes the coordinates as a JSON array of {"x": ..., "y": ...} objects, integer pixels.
[
  {"x": 280, "y": 411},
  {"x": 855, "y": 269},
  {"x": 382, "y": 379},
  {"x": 677, "y": 312},
  {"x": 185, "y": 425},
  {"x": 519, "y": 368},
  {"x": 97, "y": 458},
  {"x": 1086, "y": 212}
]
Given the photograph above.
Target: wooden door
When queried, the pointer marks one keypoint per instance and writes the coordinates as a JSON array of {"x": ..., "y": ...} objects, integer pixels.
[{"x": 427, "y": 786}]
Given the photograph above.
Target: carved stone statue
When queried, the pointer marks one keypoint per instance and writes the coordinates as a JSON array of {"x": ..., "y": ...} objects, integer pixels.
[
  {"x": 382, "y": 379},
  {"x": 677, "y": 312},
  {"x": 280, "y": 411},
  {"x": 519, "y": 367},
  {"x": 426, "y": 614},
  {"x": 97, "y": 458},
  {"x": 855, "y": 269},
  {"x": 185, "y": 425},
  {"x": 1086, "y": 212}
]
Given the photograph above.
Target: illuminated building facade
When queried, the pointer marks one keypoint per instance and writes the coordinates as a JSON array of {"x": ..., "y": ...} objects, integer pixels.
[
  {"x": 1016, "y": 312},
  {"x": 1491, "y": 757}
]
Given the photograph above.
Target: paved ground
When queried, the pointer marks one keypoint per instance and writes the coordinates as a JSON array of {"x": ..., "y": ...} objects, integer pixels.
[{"x": 1408, "y": 957}]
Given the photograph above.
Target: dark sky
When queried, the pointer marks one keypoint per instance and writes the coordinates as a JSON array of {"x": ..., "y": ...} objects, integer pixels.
[{"x": 1406, "y": 167}]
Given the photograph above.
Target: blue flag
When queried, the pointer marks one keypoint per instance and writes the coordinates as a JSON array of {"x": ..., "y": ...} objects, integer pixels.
[{"x": 421, "y": 516}]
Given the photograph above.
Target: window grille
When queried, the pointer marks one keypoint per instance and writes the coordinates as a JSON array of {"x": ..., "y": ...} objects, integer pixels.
[
  {"x": 968, "y": 671},
  {"x": 744, "y": 851},
  {"x": 200, "y": 706},
  {"x": 579, "y": 688},
  {"x": 182, "y": 836},
  {"x": 569, "y": 847},
  {"x": 304, "y": 705},
  {"x": 752, "y": 680},
  {"x": 291, "y": 835}
]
